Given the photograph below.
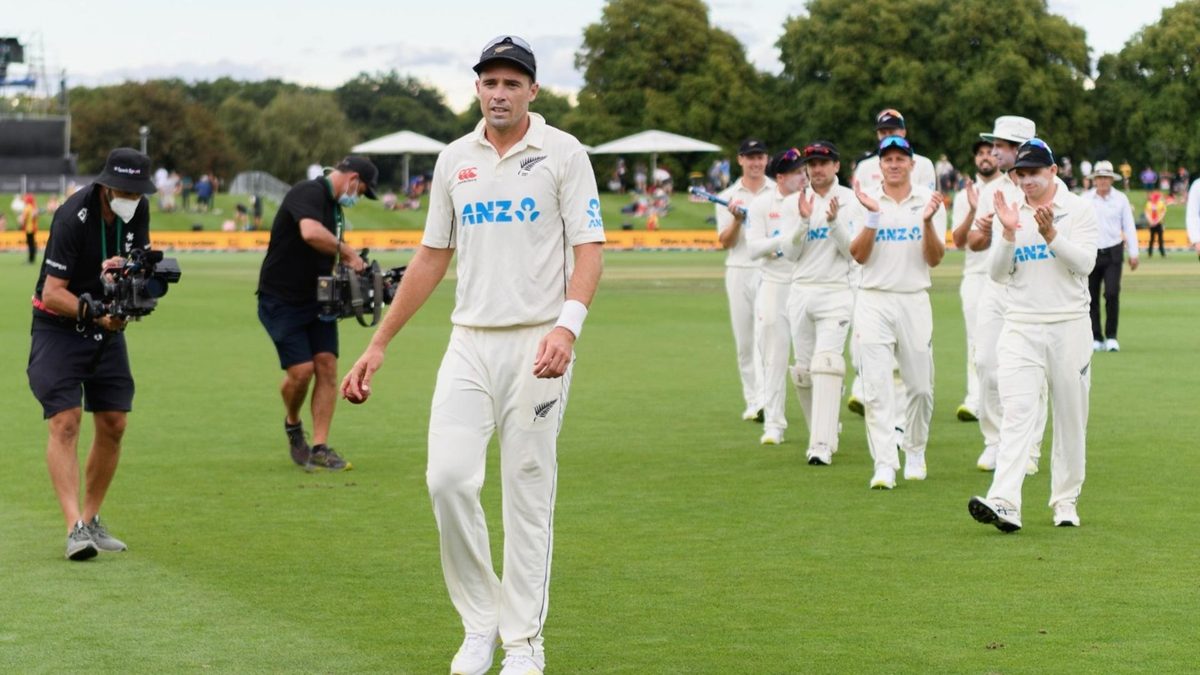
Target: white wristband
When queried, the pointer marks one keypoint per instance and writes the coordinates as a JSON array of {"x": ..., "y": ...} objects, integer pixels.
[
  {"x": 873, "y": 220},
  {"x": 572, "y": 316}
]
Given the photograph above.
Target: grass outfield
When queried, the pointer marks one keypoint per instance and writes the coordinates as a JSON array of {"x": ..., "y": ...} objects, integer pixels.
[
  {"x": 367, "y": 215},
  {"x": 682, "y": 545}
]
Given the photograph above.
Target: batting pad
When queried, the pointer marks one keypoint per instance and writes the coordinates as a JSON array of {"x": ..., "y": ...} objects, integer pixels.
[
  {"x": 828, "y": 370},
  {"x": 803, "y": 383}
]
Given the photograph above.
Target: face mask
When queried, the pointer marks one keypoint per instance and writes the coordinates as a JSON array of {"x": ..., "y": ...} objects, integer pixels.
[
  {"x": 124, "y": 208},
  {"x": 348, "y": 198}
]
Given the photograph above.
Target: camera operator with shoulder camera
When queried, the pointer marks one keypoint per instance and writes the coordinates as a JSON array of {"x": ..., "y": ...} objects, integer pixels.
[
  {"x": 72, "y": 354},
  {"x": 306, "y": 243}
]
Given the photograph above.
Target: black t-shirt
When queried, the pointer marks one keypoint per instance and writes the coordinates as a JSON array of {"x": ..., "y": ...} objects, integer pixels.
[
  {"x": 75, "y": 248},
  {"x": 291, "y": 268}
]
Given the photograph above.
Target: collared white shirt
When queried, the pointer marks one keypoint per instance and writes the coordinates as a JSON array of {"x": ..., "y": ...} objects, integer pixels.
[
  {"x": 513, "y": 220},
  {"x": 1193, "y": 213},
  {"x": 1114, "y": 215},
  {"x": 824, "y": 246},
  {"x": 897, "y": 262},
  {"x": 771, "y": 222},
  {"x": 870, "y": 176},
  {"x": 1047, "y": 283},
  {"x": 737, "y": 255}
]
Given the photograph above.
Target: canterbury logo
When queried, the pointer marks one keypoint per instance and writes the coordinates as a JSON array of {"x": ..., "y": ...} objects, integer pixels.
[
  {"x": 528, "y": 163},
  {"x": 542, "y": 409}
]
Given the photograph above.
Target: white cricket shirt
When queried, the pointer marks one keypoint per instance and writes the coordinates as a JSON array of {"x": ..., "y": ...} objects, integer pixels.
[
  {"x": 1114, "y": 217},
  {"x": 1047, "y": 283},
  {"x": 870, "y": 176},
  {"x": 737, "y": 255},
  {"x": 513, "y": 221},
  {"x": 975, "y": 261},
  {"x": 824, "y": 246},
  {"x": 771, "y": 222},
  {"x": 897, "y": 262}
]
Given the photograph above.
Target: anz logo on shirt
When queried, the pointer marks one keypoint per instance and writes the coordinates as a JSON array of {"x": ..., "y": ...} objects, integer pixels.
[
  {"x": 1032, "y": 253},
  {"x": 898, "y": 234},
  {"x": 818, "y": 233},
  {"x": 500, "y": 211},
  {"x": 594, "y": 221}
]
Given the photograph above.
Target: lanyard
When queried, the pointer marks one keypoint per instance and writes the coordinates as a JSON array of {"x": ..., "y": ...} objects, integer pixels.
[
  {"x": 104, "y": 237},
  {"x": 338, "y": 216}
]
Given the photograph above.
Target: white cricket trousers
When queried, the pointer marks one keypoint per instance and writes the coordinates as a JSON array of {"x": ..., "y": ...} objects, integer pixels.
[
  {"x": 741, "y": 285},
  {"x": 1032, "y": 355},
  {"x": 820, "y": 319},
  {"x": 774, "y": 344},
  {"x": 969, "y": 291},
  {"x": 895, "y": 328},
  {"x": 485, "y": 385},
  {"x": 989, "y": 322}
]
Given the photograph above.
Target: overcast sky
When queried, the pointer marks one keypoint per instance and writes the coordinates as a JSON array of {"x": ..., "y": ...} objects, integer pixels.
[{"x": 324, "y": 43}]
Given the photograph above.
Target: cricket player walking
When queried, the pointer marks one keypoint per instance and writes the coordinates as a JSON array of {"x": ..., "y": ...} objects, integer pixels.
[
  {"x": 1044, "y": 255},
  {"x": 773, "y": 219},
  {"x": 820, "y": 302},
  {"x": 517, "y": 200},
  {"x": 904, "y": 236},
  {"x": 742, "y": 274}
]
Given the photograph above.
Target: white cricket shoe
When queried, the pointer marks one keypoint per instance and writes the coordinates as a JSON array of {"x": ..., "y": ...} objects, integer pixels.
[
  {"x": 1065, "y": 515},
  {"x": 752, "y": 414},
  {"x": 987, "y": 458},
  {"x": 914, "y": 465},
  {"x": 995, "y": 512},
  {"x": 521, "y": 665},
  {"x": 1110, "y": 345},
  {"x": 1031, "y": 467},
  {"x": 820, "y": 455},
  {"x": 884, "y": 478},
  {"x": 772, "y": 437},
  {"x": 475, "y": 655},
  {"x": 1097, "y": 346}
]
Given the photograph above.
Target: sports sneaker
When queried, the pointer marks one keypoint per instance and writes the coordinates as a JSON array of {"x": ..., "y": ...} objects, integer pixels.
[
  {"x": 820, "y": 455},
  {"x": 987, "y": 458},
  {"x": 1097, "y": 346},
  {"x": 101, "y": 538},
  {"x": 966, "y": 414},
  {"x": 884, "y": 478},
  {"x": 1031, "y": 467},
  {"x": 771, "y": 437},
  {"x": 855, "y": 406},
  {"x": 1065, "y": 515},
  {"x": 324, "y": 457},
  {"x": 296, "y": 443},
  {"x": 521, "y": 665},
  {"x": 475, "y": 655},
  {"x": 753, "y": 414},
  {"x": 995, "y": 512},
  {"x": 79, "y": 543},
  {"x": 1110, "y": 345},
  {"x": 914, "y": 466}
]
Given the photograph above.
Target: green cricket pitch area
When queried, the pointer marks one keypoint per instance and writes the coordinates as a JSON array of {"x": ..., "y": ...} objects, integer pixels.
[{"x": 682, "y": 545}]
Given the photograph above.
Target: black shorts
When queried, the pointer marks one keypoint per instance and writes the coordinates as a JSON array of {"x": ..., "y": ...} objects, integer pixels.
[
  {"x": 66, "y": 365},
  {"x": 296, "y": 330}
]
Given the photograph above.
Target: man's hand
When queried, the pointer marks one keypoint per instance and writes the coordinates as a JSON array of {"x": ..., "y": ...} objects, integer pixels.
[
  {"x": 806, "y": 206},
  {"x": 972, "y": 194},
  {"x": 984, "y": 224},
  {"x": 353, "y": 259},
  {"x": 832, "y": 211},
  {"x": 935, "y": 203},
  {"x": 1044, "y": 217},
  {"x": 1008, "y": 216},
  {"x": 554, "y": 353},
  {"x": 739, "y": 214},
  {"x": 1133, "y": 264},
  {"x": 108, "y": 267},
  {"x": 356, "y": 386},
  {"x": 867, "y": 202},
  {"x": 111, "y": 324}
]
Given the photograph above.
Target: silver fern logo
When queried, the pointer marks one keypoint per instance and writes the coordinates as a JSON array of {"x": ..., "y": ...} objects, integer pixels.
[
  {"x": 528, "y": 163},
  {"x": 541, "y": 410}
]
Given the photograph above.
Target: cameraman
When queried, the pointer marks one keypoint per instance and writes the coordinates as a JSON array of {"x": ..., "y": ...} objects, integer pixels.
[
  {"x": 306, "y": 242},
  {"x": 93, "y": 231}
]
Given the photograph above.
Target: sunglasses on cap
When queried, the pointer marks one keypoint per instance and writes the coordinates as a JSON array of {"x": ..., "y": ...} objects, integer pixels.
[
  {"x": 791, "y": 155},
  {"x": 1039, "y": 143},
  {"x": 810, "y": 150},
  {"x": 895, "y": 142},
  {"x": 511, "y": 39}
]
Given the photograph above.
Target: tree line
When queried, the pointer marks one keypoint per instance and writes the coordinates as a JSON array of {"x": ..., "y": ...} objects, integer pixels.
[{"x": 951, "y": 66}]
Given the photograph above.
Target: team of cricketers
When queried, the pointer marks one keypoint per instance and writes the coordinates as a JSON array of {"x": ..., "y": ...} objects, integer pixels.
[{"x": 812, "y": 262}]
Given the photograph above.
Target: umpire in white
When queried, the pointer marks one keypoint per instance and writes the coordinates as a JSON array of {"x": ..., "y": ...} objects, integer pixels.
[
  {"x": 517, "y": 200},
  {"x": 1045, "y": 252}
]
